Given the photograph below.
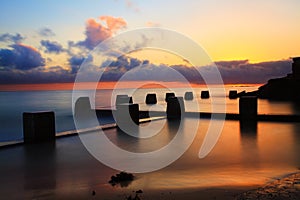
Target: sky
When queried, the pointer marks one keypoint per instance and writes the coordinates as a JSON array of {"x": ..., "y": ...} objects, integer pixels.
[{"x": 46, "y": 41}]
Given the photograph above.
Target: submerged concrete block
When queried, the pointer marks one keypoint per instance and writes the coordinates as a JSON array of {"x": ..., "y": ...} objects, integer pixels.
[
  {"x": 169, "y": 95},
  {"x": 127, "y": 114},
  {"x": 188, "y": 96},
  {"x": 38, "y": 126},
  {"x": 248, "y": 107},
  {"x": 175, "y": 107},
  {"x": 123, "y": 98},
  {"x": 233, "y": 94},
  {"x": 205, "y": 94},
  {"x": 82, "y": 107},
  {"x": 151, "y": 98}
]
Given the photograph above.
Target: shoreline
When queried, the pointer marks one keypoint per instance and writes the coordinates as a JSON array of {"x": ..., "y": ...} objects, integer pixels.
[{"x": 286, "y": 186}]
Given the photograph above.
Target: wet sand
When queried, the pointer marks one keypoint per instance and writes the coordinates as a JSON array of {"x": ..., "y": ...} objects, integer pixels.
[
  {"x": 241, "y": 166},
  {"x": 286, "y": 187}
]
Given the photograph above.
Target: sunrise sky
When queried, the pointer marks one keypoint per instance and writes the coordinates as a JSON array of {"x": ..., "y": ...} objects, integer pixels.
[{"x": 46, "y": 41}]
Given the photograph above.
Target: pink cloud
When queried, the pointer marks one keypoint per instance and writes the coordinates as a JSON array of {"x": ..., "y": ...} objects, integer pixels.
[{"x": 96, "y": 31}]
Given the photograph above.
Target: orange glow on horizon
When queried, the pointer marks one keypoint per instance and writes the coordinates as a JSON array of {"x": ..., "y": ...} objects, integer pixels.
[{"x": 102, "y": 85}]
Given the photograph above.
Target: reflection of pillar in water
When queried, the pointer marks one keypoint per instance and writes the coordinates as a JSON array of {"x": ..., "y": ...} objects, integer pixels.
[
  {"x": 248, "y": 127},
  {"x": 40, "y": 166}
]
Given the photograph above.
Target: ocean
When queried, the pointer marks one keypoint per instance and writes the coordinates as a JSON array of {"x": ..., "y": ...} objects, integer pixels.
[
  {"x": 14, "y": 103},
  {"x": 241, "y": 157}
]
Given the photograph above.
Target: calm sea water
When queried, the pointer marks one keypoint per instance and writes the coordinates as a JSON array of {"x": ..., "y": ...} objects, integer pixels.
[
  {"x": 241, "y": 157},
  {"x": 13, "y": 104}
]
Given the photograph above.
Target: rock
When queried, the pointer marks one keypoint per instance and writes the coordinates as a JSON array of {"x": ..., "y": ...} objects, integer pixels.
[
  {"x": 139, "y": 191},
  {"x": 285, "y": 88},
  {"x": 121, "y": 178},
  {"x": 169, "y": 95},
  {"x": 233, "y": 94},
  {"x": 205, "y": 94},
  {"x": 151, "y": 98},
  {"x": 188, "y": 96}
]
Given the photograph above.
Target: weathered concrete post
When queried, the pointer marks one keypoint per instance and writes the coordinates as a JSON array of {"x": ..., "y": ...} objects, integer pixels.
[
  {"x": 82, "y": 107},
  {"x": 123, "y": 98},
  {"x": 205, "y": 94},
  {"x": 175, "y": 107},
  {"x": 248, "y": 108},
  {"x": 233, "y": 94},
  {"x": 151, "y": 98},
  {"x": 169, "y": 95},
  {"x": 38, "y": 126},
  {"x": 188, "y": 96},
  {"x": 127, "y": 115}
]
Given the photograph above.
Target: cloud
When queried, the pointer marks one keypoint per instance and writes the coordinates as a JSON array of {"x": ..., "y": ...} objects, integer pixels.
[
  {"x": 113, "y": 23},
  {"x": 152, "y": 24},
  {"x": 239, "y": 71},
  {"x": 244, "y": 72},
  {"x": 96, "y": 31},
  {"x": 132, "y": 6},
  {"x": 75, "y": 62},
  {"x": 52, "y": 46},
  {"x": 7, "y": 37},
  {"x": 54, "y": 74},
  {"x": 46, "y": 32},
  {"x": 21, "y": 57}
]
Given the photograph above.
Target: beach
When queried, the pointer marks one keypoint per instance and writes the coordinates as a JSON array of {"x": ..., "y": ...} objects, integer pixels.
[{"x": 233, "y": 170}]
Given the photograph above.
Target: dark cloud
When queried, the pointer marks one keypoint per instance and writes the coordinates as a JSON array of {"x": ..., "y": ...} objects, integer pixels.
[
  {"x": 46, "y": 32},
  {"x": 97, "y": 31},
  {"x": 75, "y": 62},
  {"x": 52, "y": 46},
  {"x": 7, "y": 37},
  {"x": 54, "y": 74},
  {"x": 21, "y": 65},
  {"x": 21, "y": 57},
  {"x": 245, "y": 72},
  {"x": 240, "y": 71},
  {"x": 124, "y": 63}
]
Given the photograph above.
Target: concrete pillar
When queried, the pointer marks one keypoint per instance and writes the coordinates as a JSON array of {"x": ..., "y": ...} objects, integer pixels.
[
  {"x": 127, "y": 114},
  {"x": 151, "y": 98},
  {"x": 248, "y": 108},
  {"x": 169, "y": 95},
  {"x": 205, "y": 94},
  {"x": 38, "y": 126},
  {"x": 233, "y": 94},
  {"x": 123, "y": 98},
  {"x": 175, "y": 107},
  {"x": 188, "y": 96},
  {"x": 82, "y": 107}
]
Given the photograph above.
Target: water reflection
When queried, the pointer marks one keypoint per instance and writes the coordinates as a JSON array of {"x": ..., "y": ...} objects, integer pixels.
[
  {"x": 167, "y": 131},
  {"x": 296, "y": 146},
  {"x": 249, "y": 150},
  {"x": 40, "y": 166},
  {"x": 248, "y": 127}
]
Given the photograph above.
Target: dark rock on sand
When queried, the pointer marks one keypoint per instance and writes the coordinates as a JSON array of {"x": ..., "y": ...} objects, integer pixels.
[
  {"x": 122, "y": 178},
  {"x": 285, "y": 88},
  {"x": 285, "y": 188}
]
